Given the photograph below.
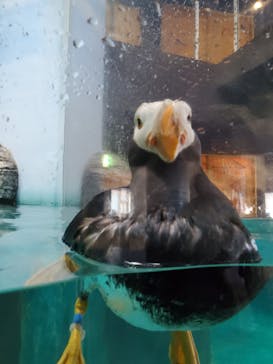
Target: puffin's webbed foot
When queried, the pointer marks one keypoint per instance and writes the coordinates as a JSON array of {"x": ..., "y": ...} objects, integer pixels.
[{"x": 182, "y": 349}]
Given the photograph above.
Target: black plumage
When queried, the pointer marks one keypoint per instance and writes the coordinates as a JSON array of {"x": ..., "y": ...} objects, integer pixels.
[{"x": 178, "y": 218}]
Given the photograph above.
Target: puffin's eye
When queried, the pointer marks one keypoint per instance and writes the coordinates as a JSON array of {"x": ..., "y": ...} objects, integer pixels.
[
  {"x": 139, "y": 123},
  {"x": 189, "y": 117}
]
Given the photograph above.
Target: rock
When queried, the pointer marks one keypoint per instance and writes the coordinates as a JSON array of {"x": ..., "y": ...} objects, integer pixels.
[{"x": 8, "y": 177}]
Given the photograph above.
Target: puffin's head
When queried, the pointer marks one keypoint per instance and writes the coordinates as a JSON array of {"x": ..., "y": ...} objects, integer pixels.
[{"x": 164, "y": 128}]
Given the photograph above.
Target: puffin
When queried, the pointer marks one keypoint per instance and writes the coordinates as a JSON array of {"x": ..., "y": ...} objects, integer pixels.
[{"x": 197, "y": 259}]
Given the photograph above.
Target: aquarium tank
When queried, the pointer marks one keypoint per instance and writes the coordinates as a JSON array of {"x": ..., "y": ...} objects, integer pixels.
[{"x": 73, "y": 74}]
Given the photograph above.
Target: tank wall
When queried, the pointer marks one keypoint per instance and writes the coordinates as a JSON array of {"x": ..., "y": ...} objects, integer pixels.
[
  {"x": 52, "y": 90},
  {"x": 83, "y": 122},
  {"x": 34, "y": 35}
]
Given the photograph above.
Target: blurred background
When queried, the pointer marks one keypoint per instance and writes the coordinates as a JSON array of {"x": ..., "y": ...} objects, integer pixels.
[{"x": 73, "y": 73}]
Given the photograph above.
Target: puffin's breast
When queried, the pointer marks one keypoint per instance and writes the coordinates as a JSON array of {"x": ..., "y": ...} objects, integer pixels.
[{"x": 183, "y": 299}]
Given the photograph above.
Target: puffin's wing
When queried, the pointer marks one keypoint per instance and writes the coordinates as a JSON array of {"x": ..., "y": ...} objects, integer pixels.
[
  {"x": 100, "y": 233},
  {"x": 98, "y": 206},
  {"x": 227, "y": 238}
]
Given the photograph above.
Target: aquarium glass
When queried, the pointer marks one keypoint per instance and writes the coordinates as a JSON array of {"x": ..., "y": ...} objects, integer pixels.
[{"x": 73, "y": 73}]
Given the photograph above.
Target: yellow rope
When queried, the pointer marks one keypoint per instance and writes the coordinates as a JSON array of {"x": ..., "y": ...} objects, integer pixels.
[
  {"x": 182, "y": 348},
  {"x": 73, "y": 351}
]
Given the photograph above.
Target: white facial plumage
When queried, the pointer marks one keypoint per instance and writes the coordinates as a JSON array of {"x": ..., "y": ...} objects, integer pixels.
[{"x": 147, "y": 119}]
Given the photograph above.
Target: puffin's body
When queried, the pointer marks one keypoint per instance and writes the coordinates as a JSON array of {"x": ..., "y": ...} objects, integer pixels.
[{"x": 175, "y": 217}]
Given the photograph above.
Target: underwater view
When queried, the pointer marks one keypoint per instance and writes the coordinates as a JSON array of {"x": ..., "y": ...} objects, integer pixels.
[
  {"x": 136, "y": 181},
  {"x": 38, "y": 318}
]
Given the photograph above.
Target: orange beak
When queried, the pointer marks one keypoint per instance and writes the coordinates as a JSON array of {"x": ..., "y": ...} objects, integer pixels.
[{"x": 168, "y": 136}]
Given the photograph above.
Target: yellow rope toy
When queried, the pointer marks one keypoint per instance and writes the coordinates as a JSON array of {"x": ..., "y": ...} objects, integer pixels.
[{"x": 73, "y": 351}]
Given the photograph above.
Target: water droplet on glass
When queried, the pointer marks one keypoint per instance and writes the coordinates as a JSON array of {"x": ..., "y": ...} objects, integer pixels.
[
  {"x": 121, "y": 8},
  {"x": 158, "y": 8},
  {"x": 64, "y": 97},
  {"x": 109, "y": 41},
  {"x": 201, "y": 130},
  {"x": 78, "y": 44}
]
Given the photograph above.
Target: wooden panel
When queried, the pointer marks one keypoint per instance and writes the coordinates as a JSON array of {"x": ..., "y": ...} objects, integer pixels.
[
  {"x": 246, "y": 29},
  {"x": 123, "y": 23},
  {"x": 216, "y": 36},
  {"x": 177, "y": 30},
  {"x": 216, "y": 32},
  {"x": 235, "y": 176}
]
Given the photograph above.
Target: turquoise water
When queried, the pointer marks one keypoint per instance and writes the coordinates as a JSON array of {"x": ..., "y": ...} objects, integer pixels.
[
  {"x": 36, "y": 321},
  {"x": 30, "y": 239}
]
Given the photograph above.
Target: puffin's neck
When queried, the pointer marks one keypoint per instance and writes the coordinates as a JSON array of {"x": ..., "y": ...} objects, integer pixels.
[{"x": 158, "y": 184}]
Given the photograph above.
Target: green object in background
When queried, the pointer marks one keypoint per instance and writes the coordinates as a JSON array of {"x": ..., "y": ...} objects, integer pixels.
[{"x": 106, "y": 160}]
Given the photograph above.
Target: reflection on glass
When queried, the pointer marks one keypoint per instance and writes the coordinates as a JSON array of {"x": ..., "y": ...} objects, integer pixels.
[
  {"x": 121, "y": 202},
  {"x": 230, "y": 112},
  {"x": 269, "y": 204}
]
